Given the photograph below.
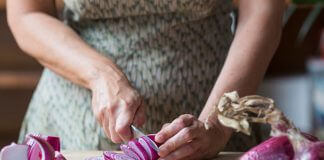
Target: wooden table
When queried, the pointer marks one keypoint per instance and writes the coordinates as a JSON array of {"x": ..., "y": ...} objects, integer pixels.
[{"x": 72, "y": 155}]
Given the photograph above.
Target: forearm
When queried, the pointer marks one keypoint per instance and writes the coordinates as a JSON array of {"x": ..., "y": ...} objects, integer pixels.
[
  {"x": 255, "y": 42},
  {"x": 59, "y": 48}
]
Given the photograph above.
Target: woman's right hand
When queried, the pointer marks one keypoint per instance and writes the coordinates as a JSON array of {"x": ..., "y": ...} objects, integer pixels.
[{"x": 116, "y": 106}]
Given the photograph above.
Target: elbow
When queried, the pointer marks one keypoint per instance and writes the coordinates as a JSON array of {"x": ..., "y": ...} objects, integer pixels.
[{"x": 17, "y": 26}]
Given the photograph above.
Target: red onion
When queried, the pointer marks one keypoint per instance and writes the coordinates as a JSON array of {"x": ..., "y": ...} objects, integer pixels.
[
  {"x": 54, "y": 142},
  {"x": 139, "y": 149},
  {"x": 271, "y": 149},
  {"x": 59, "y": 156},
  {"x": 38, "y": 147},
  {"x": 130, "y": 152},
  {"x": 144, "y": 148},
  {"x": 95, "y": 158},
  {"x": 147, "y": 145},
  {"x": 315, "y": 151},
  {"x": 116, "y": 156},
  {"x": 152, "y": 137},
  {"x": 14, "y": 152}
]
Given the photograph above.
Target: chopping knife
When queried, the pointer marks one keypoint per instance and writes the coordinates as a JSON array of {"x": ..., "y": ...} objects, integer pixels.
[{"x": 137, "y": 134}]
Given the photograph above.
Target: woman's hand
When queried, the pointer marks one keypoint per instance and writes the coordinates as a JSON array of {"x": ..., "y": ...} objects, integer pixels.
[
  {"x": 186, "y": 138},
  {"x": 117, "y": 105}
]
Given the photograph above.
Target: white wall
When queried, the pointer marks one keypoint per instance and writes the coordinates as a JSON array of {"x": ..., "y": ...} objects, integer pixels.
[{"x": 292, "y": 95}]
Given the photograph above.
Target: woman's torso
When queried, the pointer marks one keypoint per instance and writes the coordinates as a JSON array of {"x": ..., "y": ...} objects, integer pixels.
[{"x": 170, "y": 50}]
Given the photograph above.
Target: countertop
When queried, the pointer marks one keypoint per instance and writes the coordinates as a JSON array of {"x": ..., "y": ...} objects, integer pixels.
[{"x": 78, "y": 155}]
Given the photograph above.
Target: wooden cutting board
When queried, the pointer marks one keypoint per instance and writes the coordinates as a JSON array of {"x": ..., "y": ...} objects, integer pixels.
[{"x": 75, "y": 155}]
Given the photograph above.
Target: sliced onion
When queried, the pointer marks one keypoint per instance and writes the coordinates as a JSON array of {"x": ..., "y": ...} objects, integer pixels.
[
  {"x": 95, "y": 158},
  {"x": 40, "y": 149},
  {"x": 151, "y": 142},
  {"x": 139, "y": 149},
  {"x": 147, "y": 145},
  {"x": 54, "y": 142},
  {"x": 14, "y": 152},
  {"x": 129, "y": 152},
  {"x": 116, "y": 156},
  {"x": 59, "y": 156}
]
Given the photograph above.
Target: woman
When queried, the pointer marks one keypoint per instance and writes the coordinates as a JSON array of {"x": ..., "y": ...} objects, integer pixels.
[{"x": 115, "y": 62}]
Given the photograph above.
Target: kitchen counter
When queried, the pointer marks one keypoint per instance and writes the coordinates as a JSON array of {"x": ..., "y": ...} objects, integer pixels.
[{"x": 74, "y": 155}]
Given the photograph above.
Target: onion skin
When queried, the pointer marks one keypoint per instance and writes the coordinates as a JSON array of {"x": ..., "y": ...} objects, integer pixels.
[
  {"x": 313, "y": 152},
  {"x": 281, "y": 148},
  {"x": 275, "y": 148}
]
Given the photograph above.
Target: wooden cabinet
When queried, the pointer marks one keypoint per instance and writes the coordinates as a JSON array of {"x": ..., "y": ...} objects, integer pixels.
[
  {"x": 2, "y": 4},
  {"x": 19, "y": 74}
]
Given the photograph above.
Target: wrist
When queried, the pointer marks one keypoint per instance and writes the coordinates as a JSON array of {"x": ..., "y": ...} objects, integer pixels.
[
  {"x": 105, "y": 71},
  {"x": 212, "y": 122}
]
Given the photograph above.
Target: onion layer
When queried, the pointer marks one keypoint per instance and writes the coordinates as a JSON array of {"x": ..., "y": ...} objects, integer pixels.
[
  {"x": 14, "y": 152},
  {"x": 35, "y": 147}
]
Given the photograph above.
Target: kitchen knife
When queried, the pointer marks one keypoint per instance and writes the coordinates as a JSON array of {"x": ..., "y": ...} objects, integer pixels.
[{"x": 137, "y": 134}]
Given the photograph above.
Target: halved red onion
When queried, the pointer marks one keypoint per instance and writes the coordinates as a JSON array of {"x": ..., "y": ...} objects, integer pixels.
[
  {"x": 129, "y": 152},
  {"x": 14, "y": 152},
  {"x": 40, "y": 149},
  {"x": 116, "y": 156},
  {"x": 147, "y": 145},
  {"x": 52, "y": 140},
  {"x": 139, "y": 149}
]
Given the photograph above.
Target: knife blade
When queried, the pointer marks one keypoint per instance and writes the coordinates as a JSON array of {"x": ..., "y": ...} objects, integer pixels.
[{"x": 137, "y": 134}]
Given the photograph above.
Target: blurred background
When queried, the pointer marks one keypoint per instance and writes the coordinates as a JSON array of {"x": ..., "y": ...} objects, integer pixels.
[{"x": 295, "y": 78}]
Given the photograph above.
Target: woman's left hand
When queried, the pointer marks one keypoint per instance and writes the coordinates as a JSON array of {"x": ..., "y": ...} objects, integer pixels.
[{"x": 186, "y": 138}]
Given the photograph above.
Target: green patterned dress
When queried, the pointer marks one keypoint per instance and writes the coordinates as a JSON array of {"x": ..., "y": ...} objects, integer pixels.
[{"x": 171, "y": 51}]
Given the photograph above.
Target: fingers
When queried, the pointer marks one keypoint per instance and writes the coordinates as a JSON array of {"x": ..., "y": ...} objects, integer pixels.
[
  {"x": 188, "y": 151},
  {"x": 125, "y": 116},
  {"x": 105, "y": 126},
  {"x": 123, "y": 123},
  {"x": 183, "y": 137},
  {"x": 172, "y": 129},
  {"x": 112, "y": 125},
  {"x": 166, "y": 124},
  {"x": 140, "y": 116},
  {"x": 116, "y": 113}
]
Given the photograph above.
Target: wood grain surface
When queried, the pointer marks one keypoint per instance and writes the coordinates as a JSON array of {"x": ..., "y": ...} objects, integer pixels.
[{"x": 78, "y": 155}]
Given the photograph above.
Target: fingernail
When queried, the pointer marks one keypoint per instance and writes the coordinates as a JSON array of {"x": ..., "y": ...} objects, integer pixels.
[{"x": 158, "y": 138}]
